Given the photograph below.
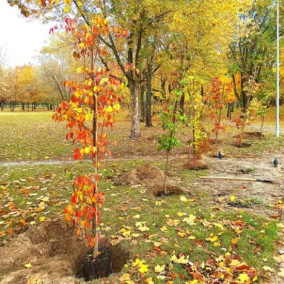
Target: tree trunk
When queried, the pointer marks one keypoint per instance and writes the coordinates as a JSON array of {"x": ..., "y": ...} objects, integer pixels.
[
  {"x": 135, "y": 122},
  {"x": 142, "y": 103},
  {"x": 181, "y": 103},
  {"x": 148, "y": 97}
]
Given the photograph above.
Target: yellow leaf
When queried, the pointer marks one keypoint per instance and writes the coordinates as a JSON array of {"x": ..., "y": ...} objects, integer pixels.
[
  {"x": 160, "y": 203},
  {"x": 88, "y": 117},
  {"x": 190, "y": 219},
  {"x": 243, "y": 277},
  {"x": 181, "y": 260},
  {"x": 149, "y": 280},
  {"x": 45, "y": 199},
  {"x": 126, "y": 278},
  {"x": 281, "y": 273},
  {"x": 233, "y": 198},
  {"x": 160, "y": 268},
  {"x": 79, "y": 70},
  {"x": 141, "y": 226},
  {"x": 164, "y": 229},
  {"x": 143, "y": 268},
  {"x": 28, "y": 265},
  {"x": 33, "y": 280},
  {"x": 183, "y": 199},
  {"x": 109, "y": 109},
  {"x": 42, "y": 218},
  {"x": 116, "y": 107},
  {"x": 267, "y": 268},
  {"x": 81, "y": 45},
  {"x": 212, "y": 238}
]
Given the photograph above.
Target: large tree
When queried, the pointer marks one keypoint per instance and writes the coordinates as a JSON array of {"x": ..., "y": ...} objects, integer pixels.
[{"x": 252, "y": 53}]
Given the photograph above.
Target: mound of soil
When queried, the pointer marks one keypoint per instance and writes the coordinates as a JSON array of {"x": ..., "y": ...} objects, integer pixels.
[
  {"x": 186, "y": 162},
  {"x": 152, "y": 178},
  {"x": 52, "y": 249},
  {"x": 250, "y": 135}
]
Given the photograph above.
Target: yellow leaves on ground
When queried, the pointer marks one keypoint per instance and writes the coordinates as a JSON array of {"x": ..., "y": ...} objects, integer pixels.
[
  {"x": 126, "y": 278},
  {"x": 244, "y": 278},
  {"x": 160, "y": 268},
  {"x": 232, "y": 198},
  {"x": 180, "y": 260},
  {"x": 126, "y": 232},
  {"x": 33, "y": 280},
  {"x": 140, "y": 264},
  {"x": 28, "y": 265},
  {"x": 212, "y": 238},
  {"x": 183, "y": 198},
  {"x": 172, "y": 222},
  {"x": 141, "y": 226},
  {"x": 281, "y": 273},
  {"x": 190, "y": 220}
]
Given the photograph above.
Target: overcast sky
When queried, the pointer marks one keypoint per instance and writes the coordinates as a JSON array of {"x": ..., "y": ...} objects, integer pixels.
[{"x": 20, "y": 37}]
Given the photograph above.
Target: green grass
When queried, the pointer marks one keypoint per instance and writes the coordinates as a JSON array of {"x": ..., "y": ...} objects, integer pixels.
[
  {"x": 32, "y": 136},
  {"x": 30, "y": 192},
  {"x": 28, "y": 186}
]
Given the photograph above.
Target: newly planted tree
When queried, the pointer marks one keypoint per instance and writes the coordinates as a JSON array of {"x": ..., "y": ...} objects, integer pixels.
[
  {"x": 219, "y": 95},
  {"x": 90, "y": 110},
  {"x": 168, "y": 140}
]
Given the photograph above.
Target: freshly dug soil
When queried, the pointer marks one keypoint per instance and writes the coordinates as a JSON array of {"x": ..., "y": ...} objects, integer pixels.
[
  {"x": 110, "y": 260},
  {"x": 52, "y": 249},
  {"x": 185, "y": 162},
  {"x": 152, "y": 178}
]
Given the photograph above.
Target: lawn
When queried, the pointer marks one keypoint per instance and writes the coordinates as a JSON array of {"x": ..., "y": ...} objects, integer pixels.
[{"x": 175, "y": 239}]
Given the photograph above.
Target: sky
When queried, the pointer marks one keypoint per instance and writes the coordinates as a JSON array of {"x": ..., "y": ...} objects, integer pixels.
[{"x": 20, "y": 37}]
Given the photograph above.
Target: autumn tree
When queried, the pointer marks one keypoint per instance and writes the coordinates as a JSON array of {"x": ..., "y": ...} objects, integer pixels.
[
  {"x": 251, "y": 54},
  {"x": 3, "y": 77},
  {"x": 57, "y": 64}
]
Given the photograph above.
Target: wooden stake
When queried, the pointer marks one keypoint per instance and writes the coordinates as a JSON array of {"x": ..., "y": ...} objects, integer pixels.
[{"x": 237, "y": 178}]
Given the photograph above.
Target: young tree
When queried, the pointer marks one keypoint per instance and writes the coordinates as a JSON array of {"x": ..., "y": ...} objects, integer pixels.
[{"x": 89, "y": 111}]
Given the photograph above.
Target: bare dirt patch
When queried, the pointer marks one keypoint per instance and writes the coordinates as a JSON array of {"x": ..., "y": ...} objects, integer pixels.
[
  {"x": 255, "y": 197},
  {"x": 152, "y": 178},
  {"x": 51, "y": 248}
]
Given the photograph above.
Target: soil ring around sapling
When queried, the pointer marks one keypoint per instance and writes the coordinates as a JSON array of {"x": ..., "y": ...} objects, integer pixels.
[{"x": 111, "y": 259}]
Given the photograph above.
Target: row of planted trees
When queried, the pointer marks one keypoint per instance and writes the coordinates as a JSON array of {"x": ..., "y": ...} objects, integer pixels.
[{"x": 139, "y": 48}]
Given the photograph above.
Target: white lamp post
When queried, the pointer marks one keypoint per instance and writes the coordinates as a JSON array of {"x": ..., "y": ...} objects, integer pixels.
[{"x": 277, "y": 73}]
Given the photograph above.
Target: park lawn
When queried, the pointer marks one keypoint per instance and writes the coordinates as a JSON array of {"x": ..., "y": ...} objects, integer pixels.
[
  {"x": 157, "y": 230},
  {"x": 153, "y": 229}
]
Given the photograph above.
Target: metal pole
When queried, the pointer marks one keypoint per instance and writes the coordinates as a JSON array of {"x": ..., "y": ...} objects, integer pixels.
[{"x": 277, "y": 73}]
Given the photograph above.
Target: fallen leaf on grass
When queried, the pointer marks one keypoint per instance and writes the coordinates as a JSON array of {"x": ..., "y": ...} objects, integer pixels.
[
  {"x": 279, "y": 258},
  {"x": 267, "y": 268},
  {"x": 126, "y": 278},
  {"x": 281, "y": 273},
  {"x": 212, "y": 238},
  {"x": 190, "y": 219},
  {"x": 244, "y": 278},
  {"x": 232, "y": 198},
  {"x": 160, "y": 269},
  {"x": 28, "y": 265},
  {"x": 183, "y": 199},
  {"x": 172, "y": 222},
  {"x": 33, "y": 280},
  {"x": 181, "y": 260},
  {"x": 141, "y": 226}
]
